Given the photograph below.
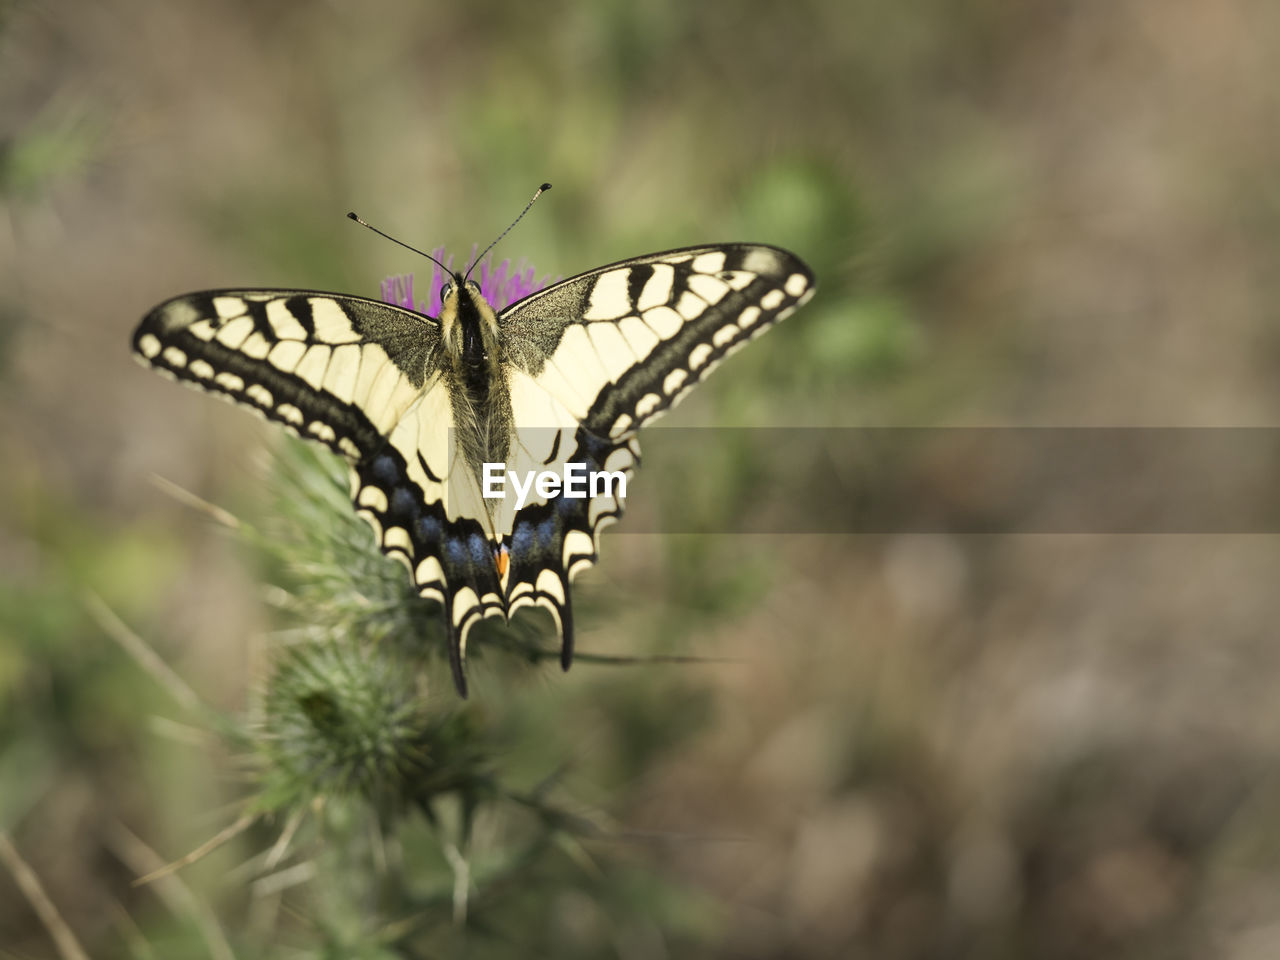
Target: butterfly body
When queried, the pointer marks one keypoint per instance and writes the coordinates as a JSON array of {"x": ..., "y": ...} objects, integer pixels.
[
  {"x": 477, "y": 381},
  {"x": 417, "y": 405}
]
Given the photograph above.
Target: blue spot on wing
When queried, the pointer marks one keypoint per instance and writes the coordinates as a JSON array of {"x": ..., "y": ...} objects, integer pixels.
[
  {"x": 404, "y": 505},
  {"x": 385, "y": 471},
  {"x": 481, "y": 552},
  {"x": 429, "y": 530}
]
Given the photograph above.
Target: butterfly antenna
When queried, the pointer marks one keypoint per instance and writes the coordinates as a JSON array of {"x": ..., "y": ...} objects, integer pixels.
[
  {"x": 541, "y": 190},
  {"x": 402, "y": 243}
]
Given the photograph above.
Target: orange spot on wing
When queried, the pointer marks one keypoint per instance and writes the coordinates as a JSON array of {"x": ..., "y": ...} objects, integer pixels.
[{"x": 503, "y": 558}]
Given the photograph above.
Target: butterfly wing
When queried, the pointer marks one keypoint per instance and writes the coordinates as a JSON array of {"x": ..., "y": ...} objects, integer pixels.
[
  {"x": 609, "y": 351},
  {"x": 359, "y": 376}
]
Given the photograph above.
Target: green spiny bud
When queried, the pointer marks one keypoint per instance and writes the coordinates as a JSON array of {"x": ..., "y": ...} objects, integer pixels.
[{"x": 342, "y": 719}]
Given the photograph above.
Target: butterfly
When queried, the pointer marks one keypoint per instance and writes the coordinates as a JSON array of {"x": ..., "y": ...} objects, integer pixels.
[{"x": 418, "y": 405}]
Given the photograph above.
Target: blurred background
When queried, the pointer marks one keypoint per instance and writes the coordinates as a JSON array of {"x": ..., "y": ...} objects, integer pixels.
[{"x": 899, "y": 746}]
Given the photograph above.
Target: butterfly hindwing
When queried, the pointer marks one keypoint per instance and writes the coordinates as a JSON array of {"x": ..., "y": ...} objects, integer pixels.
[
  {"x": 554, "y": 539},
  {"x": 448, "y": 552}
]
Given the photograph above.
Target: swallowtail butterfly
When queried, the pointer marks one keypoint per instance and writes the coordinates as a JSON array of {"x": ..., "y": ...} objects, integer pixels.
[{"x": 417, "y": 404}]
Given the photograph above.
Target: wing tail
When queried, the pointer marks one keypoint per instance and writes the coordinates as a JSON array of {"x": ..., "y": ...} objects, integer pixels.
[
  {"x": 456, "y": 641},
  {"x": 566, "y": 634}
]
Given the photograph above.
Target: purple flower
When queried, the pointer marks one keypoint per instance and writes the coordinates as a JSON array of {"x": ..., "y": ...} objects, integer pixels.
[{"x": 501, "y": 285}]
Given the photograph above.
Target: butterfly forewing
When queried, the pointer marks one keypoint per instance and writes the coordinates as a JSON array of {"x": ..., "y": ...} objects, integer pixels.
[
  {"x": 622, "y": 344},
  {"x": 341, "y": 370}
]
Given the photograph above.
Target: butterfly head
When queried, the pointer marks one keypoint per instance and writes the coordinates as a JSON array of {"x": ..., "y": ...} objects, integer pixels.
[{"x": 468, "y": 324}]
